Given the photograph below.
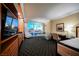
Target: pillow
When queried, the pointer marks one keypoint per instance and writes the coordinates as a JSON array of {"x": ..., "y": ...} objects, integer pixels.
[
  {"x": 28, "y": 35},
  {"x": 48, "y": 36},
  {"x": 56, "y": 37}
]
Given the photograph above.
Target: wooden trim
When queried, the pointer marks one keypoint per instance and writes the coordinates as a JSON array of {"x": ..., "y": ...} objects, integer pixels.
[
  {"x": 0, "y": 28},
  {"x": 12, "y": 46},
  {"x": 11, "y": 8},
  {"x": 77, "y": 31},
  {"x": 3, "y": 41},
  {"x": 20, "y": 16},
  {"x": 0, "y": 22}
]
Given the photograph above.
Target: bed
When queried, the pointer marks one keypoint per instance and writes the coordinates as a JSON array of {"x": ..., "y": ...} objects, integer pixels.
[{"x": 68, "y": 47}]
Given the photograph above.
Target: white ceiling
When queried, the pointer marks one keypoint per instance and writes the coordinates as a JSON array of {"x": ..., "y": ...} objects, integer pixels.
[{"x": 49, "y": 11}]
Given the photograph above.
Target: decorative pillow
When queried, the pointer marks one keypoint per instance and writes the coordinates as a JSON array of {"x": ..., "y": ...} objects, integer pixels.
[{"x": 56, "y": 37}]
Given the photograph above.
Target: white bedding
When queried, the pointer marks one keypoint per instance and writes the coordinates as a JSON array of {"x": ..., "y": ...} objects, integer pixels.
[{"x": 72, "y": 42}]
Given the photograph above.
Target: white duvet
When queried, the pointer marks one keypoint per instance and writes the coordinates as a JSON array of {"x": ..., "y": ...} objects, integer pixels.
[{"x": 72, "y": 42}]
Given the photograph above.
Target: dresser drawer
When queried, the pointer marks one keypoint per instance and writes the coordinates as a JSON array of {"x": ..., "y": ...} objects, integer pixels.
[{"x": 14, "y": 48}]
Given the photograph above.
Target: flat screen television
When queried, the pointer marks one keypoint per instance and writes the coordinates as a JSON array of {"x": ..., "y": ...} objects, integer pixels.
[
  {"x": 11, "y": 27},
  {"x": 9, "y": 23}
]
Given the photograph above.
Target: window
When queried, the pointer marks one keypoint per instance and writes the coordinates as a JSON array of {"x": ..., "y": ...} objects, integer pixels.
[{"x": 35, "y": 27}]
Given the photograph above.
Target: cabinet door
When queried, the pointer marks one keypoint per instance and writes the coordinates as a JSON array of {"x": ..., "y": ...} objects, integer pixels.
[
  {"x": 14, "y": 48},
  {"x": 20, "y": 39},
  {"x": 6, "y": 52}
]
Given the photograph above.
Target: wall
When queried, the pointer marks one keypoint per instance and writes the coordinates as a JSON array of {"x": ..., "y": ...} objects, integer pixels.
[
  {"x": 48, "y": 28},
  {"x": 68, "y": 21}
]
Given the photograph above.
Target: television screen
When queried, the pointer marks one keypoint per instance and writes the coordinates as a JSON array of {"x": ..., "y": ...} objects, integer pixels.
[
  {"x": 14, "y": 25},
  {"x": 11, "y": 26},
  {"x": 8, "y": 22}
]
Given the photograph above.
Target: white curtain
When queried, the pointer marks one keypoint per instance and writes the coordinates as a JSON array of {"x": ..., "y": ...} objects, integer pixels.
[{"x": 27, "y": 34}]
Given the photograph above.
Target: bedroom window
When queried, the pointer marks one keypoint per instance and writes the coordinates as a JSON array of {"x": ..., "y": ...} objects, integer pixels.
[{"x": 35, "y": 27}]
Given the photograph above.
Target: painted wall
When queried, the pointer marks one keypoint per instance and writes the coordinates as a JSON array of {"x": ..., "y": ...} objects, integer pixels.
[
  {"x": 48, "y": 27},
  {"x": 71, "y": 21}
]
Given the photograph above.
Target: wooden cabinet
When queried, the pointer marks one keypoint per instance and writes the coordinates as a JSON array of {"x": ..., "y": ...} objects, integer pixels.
[
  {"x": 12, "y": 48},
  {"x": 6, "y": 52},
  {"x": 20, "y": 39}
]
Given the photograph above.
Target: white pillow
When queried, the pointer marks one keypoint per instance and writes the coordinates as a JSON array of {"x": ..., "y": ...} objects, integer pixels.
[
  {"x": 47, "y": 36},
  {"x": 28, "y": 35}
]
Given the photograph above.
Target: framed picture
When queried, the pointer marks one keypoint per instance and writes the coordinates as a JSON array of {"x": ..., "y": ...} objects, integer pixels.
[
  {"x": 60, "y": 27},
  {"x": 77, "y": 31}
]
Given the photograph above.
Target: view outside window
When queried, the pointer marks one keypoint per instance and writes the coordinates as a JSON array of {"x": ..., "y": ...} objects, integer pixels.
[{"x": 35, "y": 27}]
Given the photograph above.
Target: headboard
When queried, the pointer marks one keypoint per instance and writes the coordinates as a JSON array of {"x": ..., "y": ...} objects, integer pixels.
[{"x": 77, "y": 31}]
